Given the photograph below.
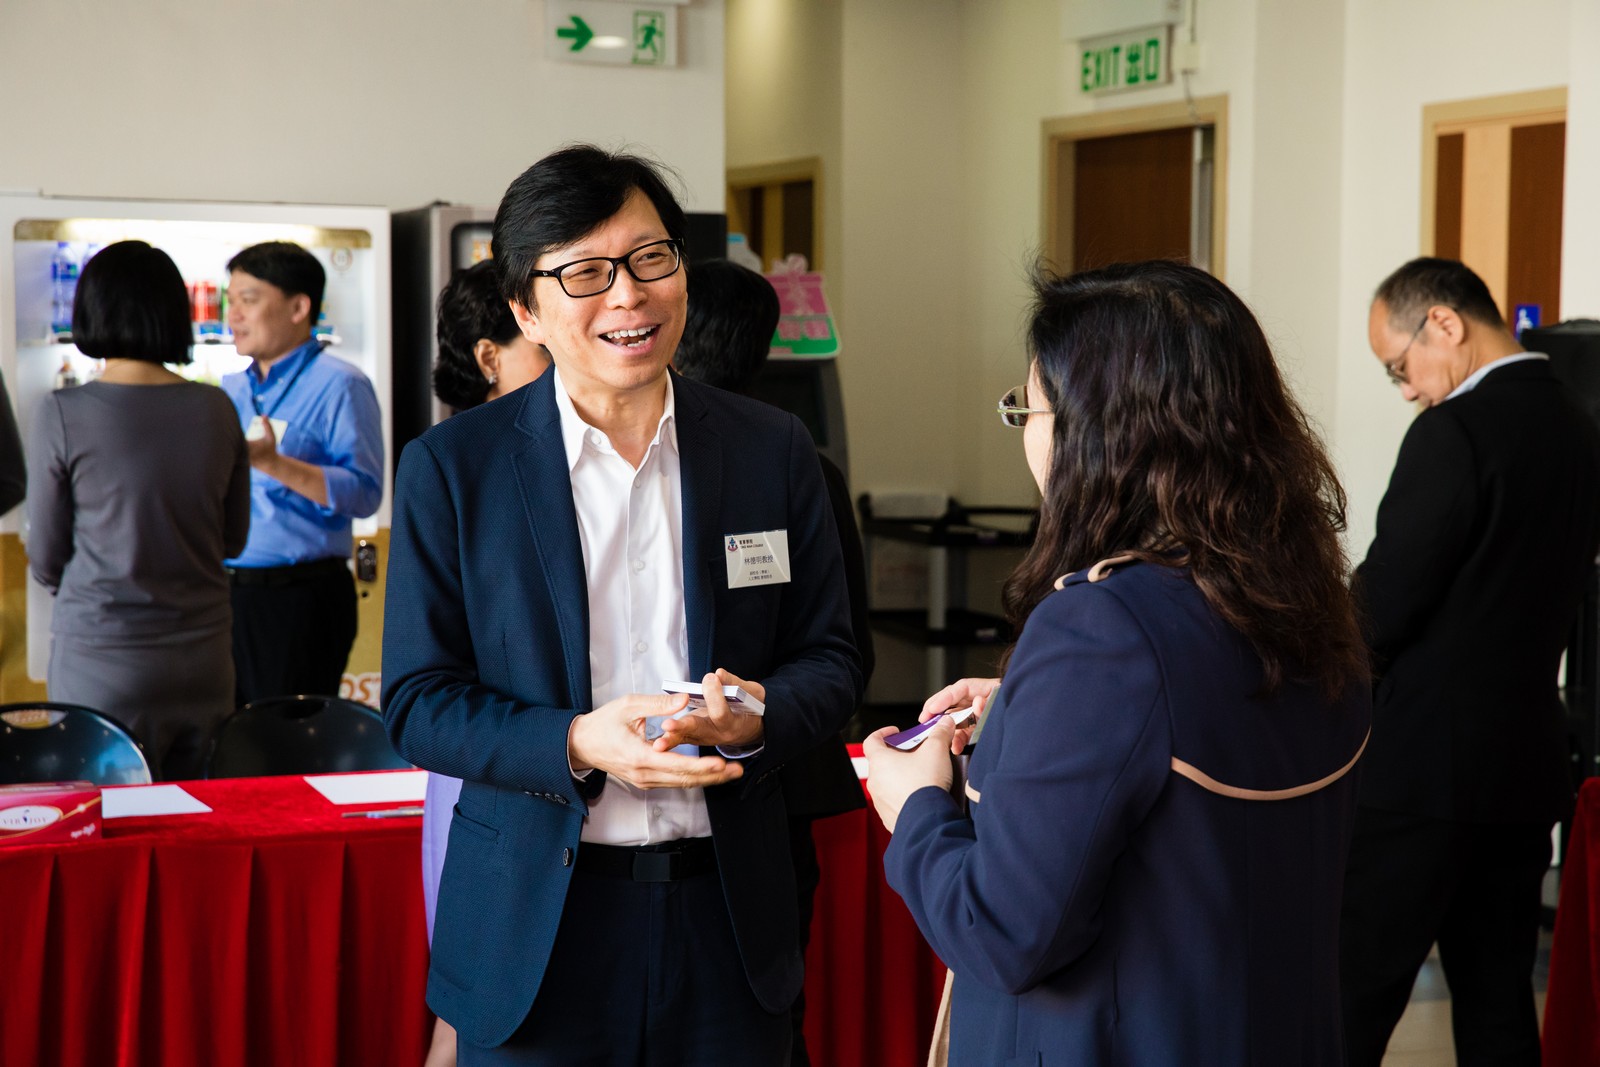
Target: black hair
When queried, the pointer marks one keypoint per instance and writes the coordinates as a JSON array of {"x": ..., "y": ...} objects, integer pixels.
[
  {"x": 728, "y": 331},
  {"x": 470, "y": 308},
  {"x": 1175, "y": 439},
  {"x": 286, "y": 265},
  {"x": 132, "y": 304},
  {"x": 564, "y": 196},
  {"x": 1409, "y": 292}
]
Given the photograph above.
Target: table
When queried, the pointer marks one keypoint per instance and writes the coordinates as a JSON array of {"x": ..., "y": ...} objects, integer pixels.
[
  {"x": 270, "y": 931},
  {"x": 273, "y": 931},
  {"x": 1572, "y": 1000}
]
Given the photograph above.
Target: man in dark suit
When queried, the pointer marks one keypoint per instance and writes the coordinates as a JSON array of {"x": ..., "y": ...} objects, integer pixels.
[
  {"x": 1484, "y": 539},
  {"x": 733, "y": 313},
  {"x": 608, "y": 898}
]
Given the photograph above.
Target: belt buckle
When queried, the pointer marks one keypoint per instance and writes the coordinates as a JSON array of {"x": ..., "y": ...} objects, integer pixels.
[{"x": 653, "y": 866}]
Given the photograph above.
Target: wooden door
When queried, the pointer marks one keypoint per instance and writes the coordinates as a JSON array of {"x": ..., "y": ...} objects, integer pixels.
[
  {"x": 1494, "y": 169},
  {"x": 1131, "y": 198}
]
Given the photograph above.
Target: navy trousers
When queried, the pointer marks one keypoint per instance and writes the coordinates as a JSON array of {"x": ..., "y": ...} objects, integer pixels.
[
  {"x": 1473, "y": 888},
  {"x": 643, "y": 974}
]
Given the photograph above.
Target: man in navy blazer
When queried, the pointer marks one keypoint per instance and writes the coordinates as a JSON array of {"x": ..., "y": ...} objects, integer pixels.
[
  {"x": 1485, "y": 540},
  {"x": 557, "y": 554}
]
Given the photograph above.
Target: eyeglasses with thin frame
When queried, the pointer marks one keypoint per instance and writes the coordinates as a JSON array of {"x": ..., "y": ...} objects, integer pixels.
[
  {"x": 1014, "y": 409},
  {"x": 1396, "y": 367},
  {"x": 593, "y": 276}
]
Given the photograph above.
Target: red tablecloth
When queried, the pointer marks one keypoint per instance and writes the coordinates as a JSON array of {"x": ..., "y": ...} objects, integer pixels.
[
  {"x": 273, "y": 931},
  {"x": 1572, "y": 1003}
]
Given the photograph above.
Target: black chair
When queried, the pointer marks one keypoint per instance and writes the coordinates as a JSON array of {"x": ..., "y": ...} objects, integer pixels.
[
  {"x": 48, "y": 742},
  {"x": 300, "y": 735}
]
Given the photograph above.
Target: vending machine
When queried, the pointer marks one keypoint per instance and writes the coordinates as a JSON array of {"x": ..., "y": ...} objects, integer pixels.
[
  {"x": 44, "y": 241},
  {"x": 429, "y": 245}
]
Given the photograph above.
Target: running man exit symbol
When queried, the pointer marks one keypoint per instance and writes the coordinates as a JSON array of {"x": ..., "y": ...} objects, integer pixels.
[{"x": 649, "y": 31}]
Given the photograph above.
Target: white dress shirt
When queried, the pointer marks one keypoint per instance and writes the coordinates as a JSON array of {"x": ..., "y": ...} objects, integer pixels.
[
  {"x": 1482, "y": 372},
  {"x": 630, "y": 523}
]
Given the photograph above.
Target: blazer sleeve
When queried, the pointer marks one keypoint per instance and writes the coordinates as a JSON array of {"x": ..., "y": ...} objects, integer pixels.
[
  {"x": 1424, "y": 533},
  {"x": 50, "y": 504},
  {"x": 1013, "y": 894},
  {"x": 436, "y": 710},
  {"x": 816, "y": 682}
]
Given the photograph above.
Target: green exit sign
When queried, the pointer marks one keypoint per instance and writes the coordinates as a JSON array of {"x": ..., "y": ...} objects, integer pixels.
[{"x": 1133, "y": 59}]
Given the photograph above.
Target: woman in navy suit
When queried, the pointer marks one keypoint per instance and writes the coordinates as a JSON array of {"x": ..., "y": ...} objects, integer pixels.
[{"x": 1145, "y": 864}]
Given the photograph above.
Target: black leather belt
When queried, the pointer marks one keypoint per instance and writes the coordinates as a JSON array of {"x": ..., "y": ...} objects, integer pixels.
[
  {"x": 671, "y": 861},
  {"x": 293, "y": 574}
]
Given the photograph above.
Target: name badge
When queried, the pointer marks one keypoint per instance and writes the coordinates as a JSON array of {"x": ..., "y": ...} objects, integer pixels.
[
  {"x": 757, "y": 558},
  {"x": 257, "y": 429}
]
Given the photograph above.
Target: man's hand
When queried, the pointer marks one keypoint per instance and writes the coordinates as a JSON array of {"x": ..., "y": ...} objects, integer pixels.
[
  {"x": 719, "y": 724},
  {"x": 264, "y": 446},
  {"x": 307, "y": 479},
  {"x": 611, "y": 738},
  {"x": 971, "y": 693},
  {"x": 893, "y": 775}
]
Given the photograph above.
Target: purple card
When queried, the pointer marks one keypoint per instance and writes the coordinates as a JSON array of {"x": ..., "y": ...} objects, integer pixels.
[{"x": 906, "y": 740}]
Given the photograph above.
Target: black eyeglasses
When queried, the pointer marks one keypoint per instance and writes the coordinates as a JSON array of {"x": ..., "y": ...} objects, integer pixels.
[
  {"x": 1014, "y": 409},
  {"x": 593, "y": 276},
  {"x": 1396, "y": 367}
]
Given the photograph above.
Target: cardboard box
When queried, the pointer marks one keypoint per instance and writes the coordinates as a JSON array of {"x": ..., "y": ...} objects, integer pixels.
[{"x": 49, "y": 812}]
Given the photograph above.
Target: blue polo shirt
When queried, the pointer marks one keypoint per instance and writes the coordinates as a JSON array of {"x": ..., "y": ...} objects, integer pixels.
[{"x": 334, "y": 423}]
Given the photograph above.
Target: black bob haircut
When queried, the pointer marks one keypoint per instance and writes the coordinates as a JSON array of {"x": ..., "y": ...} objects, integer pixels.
[
  {"x": 727, "y": 334},
  {"x": 132, "y": 304},
  {"x": 470, "y": 308},
  {"x": 1411, "y": 290},
  {"x": 564, "y": 196},
  {"x": 286, "y": 265}
]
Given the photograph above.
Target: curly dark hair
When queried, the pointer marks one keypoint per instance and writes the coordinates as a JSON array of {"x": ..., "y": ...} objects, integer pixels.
[
  {"x": 470, "y": 308},
  {"x": 1175, "y": 440}
]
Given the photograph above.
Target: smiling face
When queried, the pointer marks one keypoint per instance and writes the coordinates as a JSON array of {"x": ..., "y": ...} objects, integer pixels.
[{"x": 621, "y": 340}]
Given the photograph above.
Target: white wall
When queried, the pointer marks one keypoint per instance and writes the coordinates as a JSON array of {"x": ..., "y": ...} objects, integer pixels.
[
  {"x": 902, "y": 307},
  {"x": 1400, "y": 58},
  {"x": 391, "y": 103},
  {"x": 1324, "y": 167},
  {"x": 1580, "y": 231},
  {"x": 1278, "y": 65}
]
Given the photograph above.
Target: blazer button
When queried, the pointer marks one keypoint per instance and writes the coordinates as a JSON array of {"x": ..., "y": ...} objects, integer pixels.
[{"x": 566, "y": 857}]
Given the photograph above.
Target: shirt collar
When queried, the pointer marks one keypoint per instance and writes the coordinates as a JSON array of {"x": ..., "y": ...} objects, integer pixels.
[
  {"x": 287, "y": 364},
  {"x": 575, "y": 432},
  {"x": 1478, "y": 375}
]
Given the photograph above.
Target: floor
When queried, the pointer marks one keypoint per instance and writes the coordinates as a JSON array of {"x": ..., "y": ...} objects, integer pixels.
[{"x": 1423, "y": 1037}]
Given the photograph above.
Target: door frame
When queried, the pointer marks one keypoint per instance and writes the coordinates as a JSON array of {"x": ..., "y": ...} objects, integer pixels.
[
  {"x": 1058, "y": 142},
  {"x": 808, "y": 168},
  {"x": 1456, "y": 116}
]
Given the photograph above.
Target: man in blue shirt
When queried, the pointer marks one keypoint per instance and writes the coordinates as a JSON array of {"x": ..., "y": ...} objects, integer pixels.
[{"x": 316, "y": 448}]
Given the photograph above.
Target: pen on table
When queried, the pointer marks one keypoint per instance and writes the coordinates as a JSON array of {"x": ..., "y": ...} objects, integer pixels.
[{"x": 386, "y": 813}]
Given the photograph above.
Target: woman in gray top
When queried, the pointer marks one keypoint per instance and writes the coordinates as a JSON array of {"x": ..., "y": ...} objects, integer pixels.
[{"x": 139, "y": 489}]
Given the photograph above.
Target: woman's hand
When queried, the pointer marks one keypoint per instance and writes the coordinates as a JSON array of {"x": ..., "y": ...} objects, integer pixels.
[
  {"x": 893, "y": 775},
  {"x": 971, "y": 693}
]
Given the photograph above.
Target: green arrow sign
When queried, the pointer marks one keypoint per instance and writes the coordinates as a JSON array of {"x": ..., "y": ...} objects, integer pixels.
[{"x": 580, "y": 33}]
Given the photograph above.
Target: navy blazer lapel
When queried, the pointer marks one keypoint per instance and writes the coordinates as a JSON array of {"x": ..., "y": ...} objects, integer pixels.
[
  {"x": 700, "y": 464},
  {"x": 546, "y": 485}
]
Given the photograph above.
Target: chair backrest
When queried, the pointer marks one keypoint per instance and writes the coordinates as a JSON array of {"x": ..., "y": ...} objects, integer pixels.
[
  {"x": 48, "y": 742},
  {"x": 300, "y": 735}
]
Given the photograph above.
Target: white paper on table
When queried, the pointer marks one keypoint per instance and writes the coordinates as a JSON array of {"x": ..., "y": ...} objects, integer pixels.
[
  {"x": 860, "y": 764},
  {"x": 119, "y": 802},
  {"x": 378, "y": 787}
]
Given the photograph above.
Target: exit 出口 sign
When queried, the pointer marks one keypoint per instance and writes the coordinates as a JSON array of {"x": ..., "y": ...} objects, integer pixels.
[{"x": 1132, "y": 59}]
